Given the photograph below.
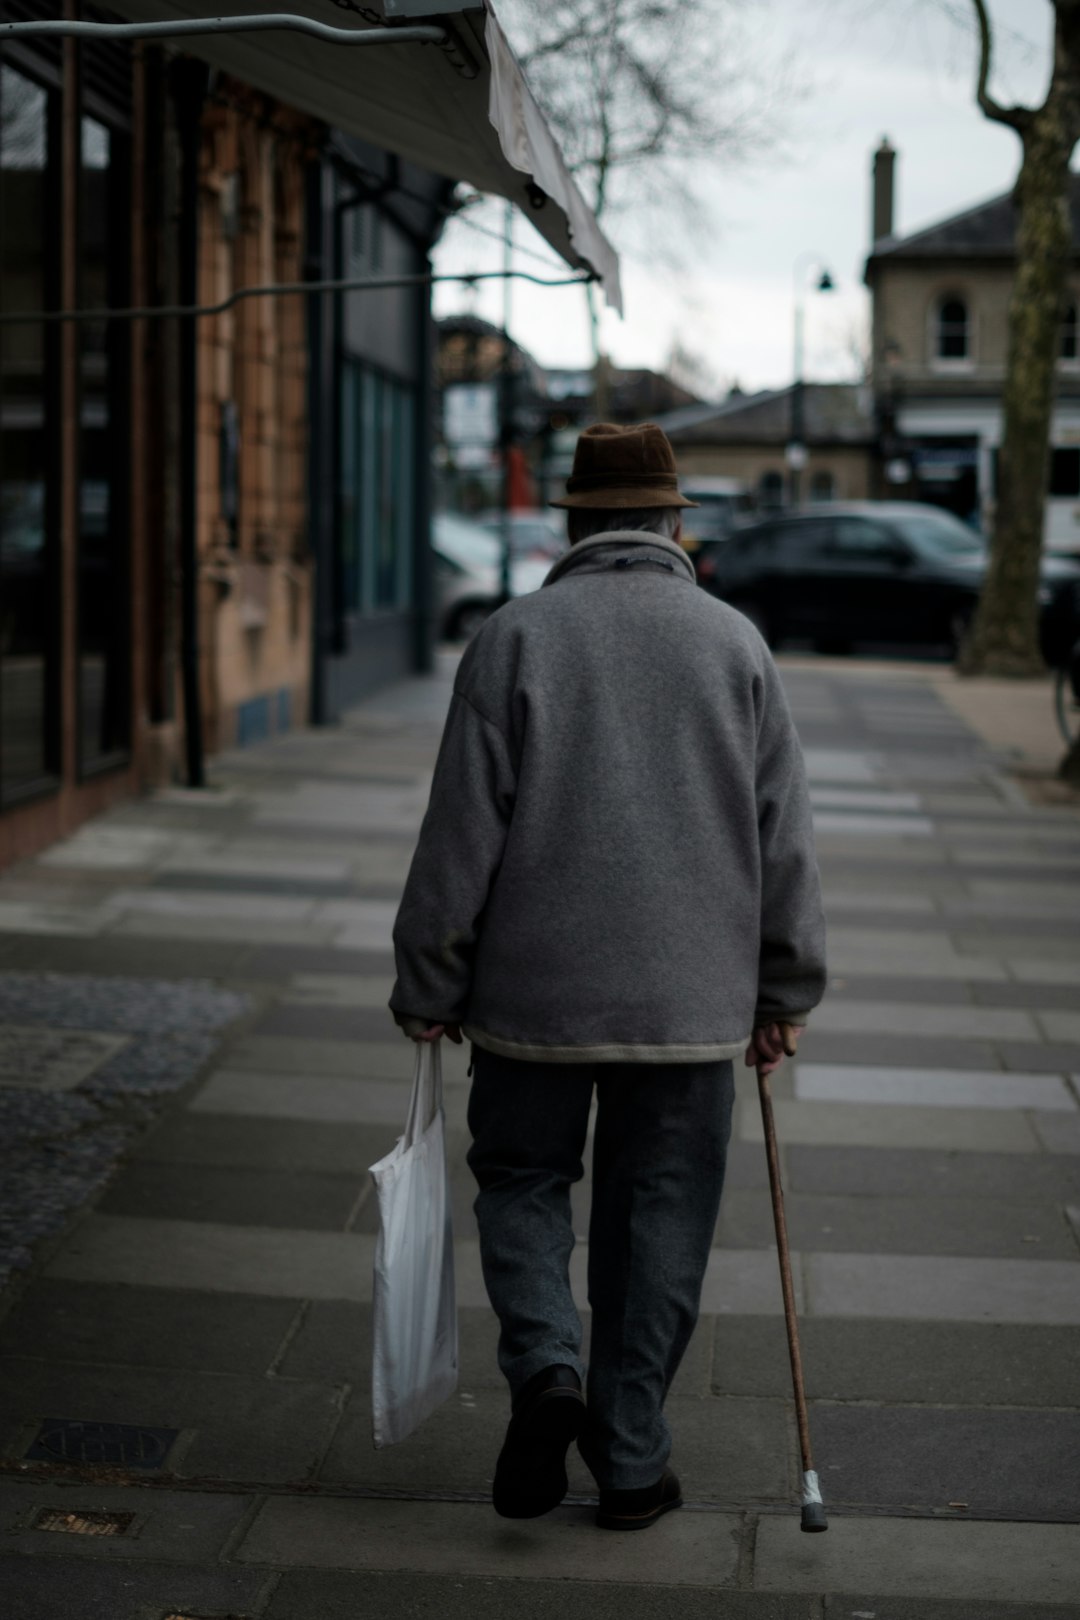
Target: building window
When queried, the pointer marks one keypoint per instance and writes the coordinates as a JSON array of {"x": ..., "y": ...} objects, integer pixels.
[
  {"x": 822, "y": 486},
  {"x": 375, "y": 496},
  {"x": 1068, "y": 349},
  {"x": 103, "y": 607},
  {"x": 771, "y": 491},
  {"x": 29, "y": 446},
  {"x": 953, "y": 330},
  {"x": 1065, "y": 473}
]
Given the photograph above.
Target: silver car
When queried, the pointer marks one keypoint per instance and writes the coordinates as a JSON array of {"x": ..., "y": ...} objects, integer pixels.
[{"x": 468, "y": 563}]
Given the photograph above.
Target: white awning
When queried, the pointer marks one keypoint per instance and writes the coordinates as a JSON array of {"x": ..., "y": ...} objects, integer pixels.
[{"x": 415, "y": 100}]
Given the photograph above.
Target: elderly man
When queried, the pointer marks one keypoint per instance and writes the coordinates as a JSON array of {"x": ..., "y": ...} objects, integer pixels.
[{"x": 614, "y": 891}]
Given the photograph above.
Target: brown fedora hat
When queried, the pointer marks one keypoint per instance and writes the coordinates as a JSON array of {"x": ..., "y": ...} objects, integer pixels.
[{"x": 623, "y": 467}]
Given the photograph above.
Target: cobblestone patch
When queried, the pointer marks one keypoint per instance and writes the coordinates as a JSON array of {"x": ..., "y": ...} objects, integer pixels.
[{"x": 57, "y": 1148}]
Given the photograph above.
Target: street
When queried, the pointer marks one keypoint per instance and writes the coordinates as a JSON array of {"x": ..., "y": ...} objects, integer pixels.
[{"x": 197, "y": 1067}]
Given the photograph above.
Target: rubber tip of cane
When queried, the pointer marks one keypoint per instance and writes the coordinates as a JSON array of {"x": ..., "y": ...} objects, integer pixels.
[{"x": 813, "y": 1518}]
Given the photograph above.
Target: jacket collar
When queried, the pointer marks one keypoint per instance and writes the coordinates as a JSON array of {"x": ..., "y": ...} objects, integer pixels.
[{"x": 604, "y": 551}]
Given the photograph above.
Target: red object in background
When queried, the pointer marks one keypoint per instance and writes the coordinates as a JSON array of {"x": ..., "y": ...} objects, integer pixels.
[{"x": 522, "y": 490}]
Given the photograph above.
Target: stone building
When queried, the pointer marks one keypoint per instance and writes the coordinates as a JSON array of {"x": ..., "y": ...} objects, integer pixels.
[
  {"x": 746, "y": 437},
  {"x": 940, "y": 304}
]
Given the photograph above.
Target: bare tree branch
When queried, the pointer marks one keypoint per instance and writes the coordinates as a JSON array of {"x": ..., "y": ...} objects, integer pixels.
[{"x": 1018, "y": 118}]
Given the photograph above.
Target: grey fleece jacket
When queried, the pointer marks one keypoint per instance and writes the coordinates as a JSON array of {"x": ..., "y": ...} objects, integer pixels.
[{"x": 617, "y": 861}]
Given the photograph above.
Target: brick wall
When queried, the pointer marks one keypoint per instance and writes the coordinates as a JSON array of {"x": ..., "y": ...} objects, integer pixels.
[{"x": 255, "y": 569}]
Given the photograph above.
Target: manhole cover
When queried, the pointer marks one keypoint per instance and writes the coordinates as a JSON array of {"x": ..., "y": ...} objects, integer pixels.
[
  {"x": 83, "y": 1524},
  {"x": 119, "y": 1445},
  {"x": 53, "y": 1059}
]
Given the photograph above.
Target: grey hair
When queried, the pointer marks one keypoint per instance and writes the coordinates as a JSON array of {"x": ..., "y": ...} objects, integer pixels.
[{"x": 583, "y": 522}]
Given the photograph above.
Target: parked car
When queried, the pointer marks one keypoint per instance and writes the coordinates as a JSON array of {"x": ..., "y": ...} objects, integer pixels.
[
  {"x": 533, "y": 531},
  {"x": 468, "y": 573},
  {"x": 864, "y": 571}
]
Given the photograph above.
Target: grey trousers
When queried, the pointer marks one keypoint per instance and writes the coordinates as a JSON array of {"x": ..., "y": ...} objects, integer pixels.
[{"x": 659, "y": 1152}]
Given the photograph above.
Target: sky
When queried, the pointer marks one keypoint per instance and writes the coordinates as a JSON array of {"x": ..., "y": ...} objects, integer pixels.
[{"x": 870, "y": 68}]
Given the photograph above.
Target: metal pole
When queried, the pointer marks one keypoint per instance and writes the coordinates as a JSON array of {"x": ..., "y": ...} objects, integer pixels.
[
  {"x": 507, "y": 411},
  {"x": 179, "y": 27},
  {"x": 797, "y": 415},
  {"x": 190, "y": 83}
]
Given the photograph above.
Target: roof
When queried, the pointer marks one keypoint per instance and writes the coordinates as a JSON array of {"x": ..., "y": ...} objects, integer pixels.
[
  {"x": 833, "y": 413},
  {"x": 986, "y": 231},
  {"x": 459, "y": 108}
]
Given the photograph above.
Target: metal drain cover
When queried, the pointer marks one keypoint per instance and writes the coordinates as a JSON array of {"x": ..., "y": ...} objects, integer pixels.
[
  {"x": 53, "y": 1059},
  {"x": 82, "y": 1524},
  {"x": 118, "y": 1445}
]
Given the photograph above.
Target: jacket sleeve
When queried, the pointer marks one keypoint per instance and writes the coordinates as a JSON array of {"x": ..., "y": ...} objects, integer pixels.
[
  {"x": 458, "y": 854},
  {"x": 791, "y": 968}
]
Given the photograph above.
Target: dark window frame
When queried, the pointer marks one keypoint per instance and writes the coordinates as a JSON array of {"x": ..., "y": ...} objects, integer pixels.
[{"x": 952, "y": 330}]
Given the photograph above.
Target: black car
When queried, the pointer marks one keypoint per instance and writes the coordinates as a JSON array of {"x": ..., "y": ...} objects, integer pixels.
[{"x": 866, "y": 571}]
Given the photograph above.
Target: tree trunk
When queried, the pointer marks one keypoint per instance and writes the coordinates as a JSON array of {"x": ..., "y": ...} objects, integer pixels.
[{"x": 1004, "y": 634}]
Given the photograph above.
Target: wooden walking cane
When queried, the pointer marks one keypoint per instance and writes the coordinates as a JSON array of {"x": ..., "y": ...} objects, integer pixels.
[{"x": 813, "y": 1510}]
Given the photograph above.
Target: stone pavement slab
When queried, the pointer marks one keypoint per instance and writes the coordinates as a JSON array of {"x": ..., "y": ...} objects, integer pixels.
[
  {"x": 232, "y": 1428},
  {"x": 307, "y": 1595},
  {"x": 285, "y": 1143},
  {"x": 46, "y": 1588},
  {"x": 153, "y": 1327},
  {"x": 991, "y": 1227},
  {"x": 913, "y": 1363},
  {"x": 1012, "y": 1464},
  {"x": 465, "y": 1538},
  {"x": 879, "y": 1125},
  {"x": 298, "y": 1199},
  {"x": 933, "y": 1173},
  {"x": 917, "y": 1558},
  {"x": 935, "y": 1288},
  {"x": 888, "y": 1018},
  {"x": 176, "y": 1527},
  {"x": 931, "y": 1088},
  {"x": 327, "y": 1099}
]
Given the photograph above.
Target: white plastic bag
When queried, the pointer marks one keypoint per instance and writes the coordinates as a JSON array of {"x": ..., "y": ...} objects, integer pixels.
[{"x": 415, "y": 1351}]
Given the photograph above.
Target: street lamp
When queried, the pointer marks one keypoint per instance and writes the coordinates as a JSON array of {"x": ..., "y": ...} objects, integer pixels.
[{"x": 796, "y": 455}]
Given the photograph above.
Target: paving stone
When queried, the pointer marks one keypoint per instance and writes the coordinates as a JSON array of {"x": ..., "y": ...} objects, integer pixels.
[
  {"x": 156, "y": 958},
  {"x": 1038, "y": 997},
  {"x": 696, "y": 1549},
  {"x": 278, "y": 961},
  {"x": 880, "y": 1224},
  {"x": 909, "y": 1173},
  {"x": 177, "y": 1527},
  {"x": 339, "y": 990},
  {"x": 881, "y": 1125},
  {"x": 913, "y": 1051},
  {"x": 850, "y": 987},
  {"x": 1052, "y": 1058},
  {"x": 854, "y": 1607},
  {"x": 331, "y": 1099},
  {"x": 305, "y": 1595},
  {"x": 305, "y": 1200},
  {"x": 886, "y": 1017},
  {"x": 372, "y": 1024},
  {"x": 282, "y": 1144},
  {"x": 1022, "y": 1563},
  {"x": 44, "y": 1589},
  {"x": 1058, "y": 1133},
  {"x": 53, "y": 1059},
  {"x": 938, "y": 1088},
  {"x": 938, "y": 1288},
  {"x": 1019, "y": 1465},
  {"x": 864, "y": 1359},
  {"x": 390, "y": 1059},
  {"x": 156, "y": 1327},
  {"x": 257, "y": 1430}
]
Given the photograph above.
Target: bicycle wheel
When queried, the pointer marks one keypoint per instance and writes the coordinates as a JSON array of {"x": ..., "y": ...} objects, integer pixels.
[{"x": 1067, "y": 696}]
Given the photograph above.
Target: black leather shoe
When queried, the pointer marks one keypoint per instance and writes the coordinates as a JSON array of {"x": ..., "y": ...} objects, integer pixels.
[
  {"x": 637, "y": 1510},
  {"x": 530, "y": 1475}
]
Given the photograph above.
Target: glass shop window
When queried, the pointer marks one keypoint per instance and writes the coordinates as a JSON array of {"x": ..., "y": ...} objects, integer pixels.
[
  {"x": 29, "y": 447},
  {"x": 104, "y": 429}
]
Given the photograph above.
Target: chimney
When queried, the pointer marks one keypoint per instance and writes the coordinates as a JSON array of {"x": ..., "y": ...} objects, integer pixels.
[{"x": 884, "y": 187}]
